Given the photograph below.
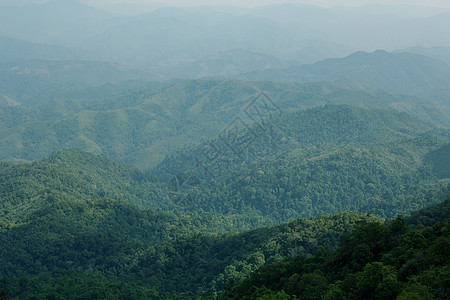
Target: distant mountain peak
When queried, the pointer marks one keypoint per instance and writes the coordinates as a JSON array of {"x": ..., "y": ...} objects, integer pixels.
[{"x": 399, "y": 72}]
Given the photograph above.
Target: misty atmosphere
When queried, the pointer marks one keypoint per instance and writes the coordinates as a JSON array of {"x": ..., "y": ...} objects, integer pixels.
[{"x": 218, "y": 149}]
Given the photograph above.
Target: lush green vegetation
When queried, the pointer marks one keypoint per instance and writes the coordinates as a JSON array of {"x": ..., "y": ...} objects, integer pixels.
[
  {"x": 140, "y": 123},
  {"x": 179, "y": 180},
  {"x": 58, "y": 227},
  {"x": 77, "y": 223},
  {"x": 45, "y": 257},
  {"x": 110, "y": 250},
  {"x": 326, "y": 160},
  {"x": 306, "y": 164},
  {"x": 375, "y": 261}
]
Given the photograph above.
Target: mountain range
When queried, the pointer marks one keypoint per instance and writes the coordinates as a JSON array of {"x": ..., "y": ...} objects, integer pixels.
[
  {"x": 297, "y": 32},
  {"x": 285, "y": 151},
  {"x": 78, "y": 223},
  {"x": 404, "y": 73}
]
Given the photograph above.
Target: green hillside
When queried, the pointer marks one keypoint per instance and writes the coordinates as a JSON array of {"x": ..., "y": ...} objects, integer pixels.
[
  {"x": 177, "y": 151},
  {"x": 375, "y": 261},
  {"x": 84, "y": 224},
  {"x": 80, "y": 217},
  {"x": 323, "y": 160},
  {"x": 109, "y": 243},
  {"x": 106, "y": 248},
  {"x": 140, "y": 124},
  {"x": 305, "y": 164}
]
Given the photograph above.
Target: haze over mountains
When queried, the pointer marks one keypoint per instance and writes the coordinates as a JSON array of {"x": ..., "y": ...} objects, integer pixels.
[
  {"x": 158, "y": 151},
  {"x": 65, "y": 84},
  {"x": 173, "y": 36}
]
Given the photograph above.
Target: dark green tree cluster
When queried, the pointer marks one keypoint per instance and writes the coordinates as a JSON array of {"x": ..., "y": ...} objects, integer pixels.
[
  {"x": 375, "y": 261},
  {"x": 77, "y": 214},
  {"x": 112, "y": 242},
  {"x": 323, "y": 160}
]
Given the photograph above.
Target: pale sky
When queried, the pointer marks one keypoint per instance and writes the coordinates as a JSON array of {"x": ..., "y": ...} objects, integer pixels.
[
  {"x": 252, "y": 3},
  {"x": 244, "y": 3}
]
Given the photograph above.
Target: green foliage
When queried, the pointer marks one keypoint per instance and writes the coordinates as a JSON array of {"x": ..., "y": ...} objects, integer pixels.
[
  {"x": 75, "y": 285},
  {"x": 75, "y": 173},
  {"x": 429, "y": 216},
  {"x": 439, "y": 159},
  {"x": 374, "y": 261},
  {"x": 206, "y": 264},
  {"x": 140, "y": 123},
  {"x": 78, "y": 214},
  {"x": 325, "y": 160},
  {"x": 63, "y": 214},
  {"x": 144, "y": 252}
]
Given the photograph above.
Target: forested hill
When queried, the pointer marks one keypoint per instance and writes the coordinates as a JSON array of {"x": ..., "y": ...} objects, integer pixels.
[
  {"x": 324, "y": 160},
  {"x": 102, "y": 250},
  {"x": 80, "y": 223},
  {"x": 76, "y": 174},
  {"x": 375, "y": 261},
  {"x": 305, "y": 164},
  {"x": 139, "y": 123},
  {"x": 83, "y": 183},
  {"x": 106, "y": 249}
]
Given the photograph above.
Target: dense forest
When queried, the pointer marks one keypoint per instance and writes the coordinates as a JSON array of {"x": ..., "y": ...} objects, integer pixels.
[
  {"x": 77, "y": 223},
  {"x": 323, "y": 160},
  {"x": 374, "y": 261},
  {"x": 238, "y": 151},
  {"x": 305, "y": 164},
  {"x": 139, "y": 123},
  {"x": 110, "y": 256}
]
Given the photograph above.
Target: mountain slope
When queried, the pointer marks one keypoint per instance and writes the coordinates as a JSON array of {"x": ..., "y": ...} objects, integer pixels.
[
  {"x": 113, "y": 242},
  {"x": 323, "y": 160},
  {"x": 142, "y": 122},
  {"x": 375, "y": 261},
  {"x": 80, "y": 223},
  {"x": 86, "y": 179},
  {"x": 14, "y": 49},
  {"x": 400, "y": 72},
  {"x": 222, "y": 64}
]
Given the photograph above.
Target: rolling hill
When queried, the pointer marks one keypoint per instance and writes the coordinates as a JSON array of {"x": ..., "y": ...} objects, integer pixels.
[
  {"x": 321, "y": 160},
  {"x": 80, "y": 223},
  {"x": 224, "y": 152},
  {"x": 141, "y": 122},
  {"x": 337, "y": 157},
  {"x": 62, "y": 234},
  {"x": 390, "y": 261},
  {"x": 398, "y": 72}
]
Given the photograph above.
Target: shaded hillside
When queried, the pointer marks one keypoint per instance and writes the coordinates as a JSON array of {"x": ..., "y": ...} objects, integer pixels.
[
  {"x": 399, "y": 72},
  {"x": 373, "y": 262},
  {"x": 52, "y": 79},
  {"x": 323, "y": 160},
  {"x": 140, "y": 123},
  {"x": 109, "y": 242},
  {"x": 90, "y": 251},
  {"x": 14, "y": 50}
]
